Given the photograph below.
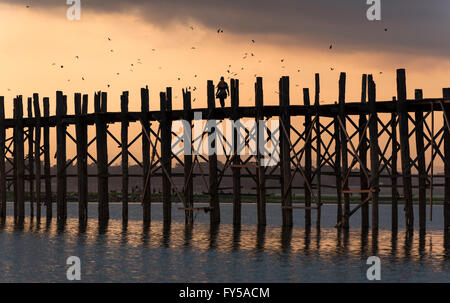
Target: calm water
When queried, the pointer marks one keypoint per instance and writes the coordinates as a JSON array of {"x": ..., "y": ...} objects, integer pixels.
[{"x": 38, "y": 253}]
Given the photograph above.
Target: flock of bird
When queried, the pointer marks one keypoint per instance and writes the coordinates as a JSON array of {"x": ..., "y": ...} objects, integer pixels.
[{"x": 230, "y": 73}]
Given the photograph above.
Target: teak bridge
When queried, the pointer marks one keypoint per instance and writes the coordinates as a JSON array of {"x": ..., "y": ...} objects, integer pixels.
[{"x": 341, "y": 136}]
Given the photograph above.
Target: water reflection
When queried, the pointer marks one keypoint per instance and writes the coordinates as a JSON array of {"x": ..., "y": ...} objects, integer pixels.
[{"x": 291, "y": 246}]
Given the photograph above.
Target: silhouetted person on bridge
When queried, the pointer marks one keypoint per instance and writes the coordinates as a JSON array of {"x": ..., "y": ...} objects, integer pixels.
[{"x": 222, "y": 91}]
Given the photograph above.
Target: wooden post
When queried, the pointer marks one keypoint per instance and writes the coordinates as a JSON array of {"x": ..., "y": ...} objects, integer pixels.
[
  {"x": 308, "y": 160},
  {"x": 285, "y": 151},
  {"x": 81, "y": 133},
  {"x": 166, "y": 153},
  {"x": 236, "y": 171},
  {"x": 124, "y": 138},
  {"x": 446, "y": 95},
  {"x": 19, "y": 155},
  {"x": 394, "y": 172},
  {"x": 30, "y": 139},
  {"x": 61, "y": 198},
  {"x": 344, "y": 151},
  {"x": 404, "y": 148},
  {"x": 188, "y": 175},
  {"x": 338, "y": 169},
  {"x": 318, "y": 150},
  {"x": 2, "y": 161},
  {"x": 146, "y": 198},
  {"x": 102, "y": 158},
  {"x": 363, "y": 157},
  {"x": 48, "y": 180},
  {"x": 37, "y": 155},
  {"x": 261, "y": 187},
  {"x": 212, "y": 143},
  {"x": 374, "y": 156},
  {"x": 420, "y": 148}
]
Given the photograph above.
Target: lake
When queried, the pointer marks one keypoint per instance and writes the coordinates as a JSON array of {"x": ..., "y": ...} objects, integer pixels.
[{"x": 38, "y": 253}]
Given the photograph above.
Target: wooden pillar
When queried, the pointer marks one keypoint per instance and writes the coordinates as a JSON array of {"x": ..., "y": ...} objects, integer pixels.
[
  {"x": 338, "y": 168},
  {"x": 30, "y": 139},
  {"x": 308, "y": 160},
  {"x": 188, "y": 173},
  {"x": 394, "y": 172},
  {"x": 81, "y": 133},
  {"x": 318, "y": 150},
  {"x": 237, "y": 144},
  {"x": 446, "y": 95},
  {"x": 374, "y": 150},
  {"x": 420, "y": 148},
  {"x": 166, "y": 153},
  {"x": 102, "y": 157},
  {"x": 37, "y": 155},
  {"x": 212, "y": 159},
  {"x": 404, "y": 148},
  {"x": 285, "y": 151},
  {"x": 364, "y": 184},
  {"x": 124, "y": 138},
  {"x": 48, "y": 180},
  {"x": 146, "y": 198},
  {"x": 2, "y": 161},
  {"x": 61, "y": 198},
  {"x": 344, "y": 150},
  {"x": 261, "y": 186},
  {"x": 20, "y": 156}
]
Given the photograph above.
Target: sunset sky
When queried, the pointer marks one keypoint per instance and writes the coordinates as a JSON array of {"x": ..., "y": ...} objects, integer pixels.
[{"x": 161, "y": 34}]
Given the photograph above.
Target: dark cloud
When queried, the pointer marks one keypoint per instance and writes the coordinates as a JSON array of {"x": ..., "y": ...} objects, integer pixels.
[{"x": 414, "y": 26}]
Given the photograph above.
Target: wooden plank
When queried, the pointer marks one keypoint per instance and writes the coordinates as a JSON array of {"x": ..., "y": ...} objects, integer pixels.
[
  {"x": 236, "y": 171},
  {"x": 81, "y": 135},
  {"x": 146, "y": 199},
  {"x": 364, "y": 184},
  {"x": 124, "y": 139},
  {"x": 446, "y": 95},
  {"x": 308, "y": 161},
  {"x": 394, "y": 172},
  {"x": 20, "y": 156},
  {"x": 420, "y": 148},
  {"x": 100, "y": 103},
  {"x": 37, "y": 155},
  {"x": 212, "y": 159},
  {"x": 48, "y": 180},
  {"x": 61, "y": 198},
  {"x": 404, "y": 149},
  {"x": 374, "y": 148},
  {"x": 260, "y": 170},
  {"x": 188, "y": 173},
  {"x": 285, "y": 151},
  {"x": 2, "y": 161},
  {"x": 30, "y": 141}
]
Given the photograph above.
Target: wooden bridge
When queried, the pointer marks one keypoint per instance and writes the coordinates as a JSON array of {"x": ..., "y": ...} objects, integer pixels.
[{"x": 367, "y": 134}]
